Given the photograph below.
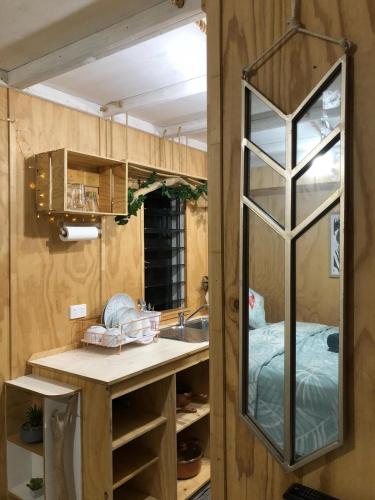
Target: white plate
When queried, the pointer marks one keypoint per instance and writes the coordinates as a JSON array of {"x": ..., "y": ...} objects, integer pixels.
[
  {"x": 131, "y": 327},
  {"x": 116, "y": 302}
]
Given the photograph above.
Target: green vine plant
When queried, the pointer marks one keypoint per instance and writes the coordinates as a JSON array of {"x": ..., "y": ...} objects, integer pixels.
[{"x": 173, "y": 187}]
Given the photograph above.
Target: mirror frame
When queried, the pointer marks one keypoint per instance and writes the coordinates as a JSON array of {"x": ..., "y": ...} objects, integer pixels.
[{"x": 290, "y": 235}]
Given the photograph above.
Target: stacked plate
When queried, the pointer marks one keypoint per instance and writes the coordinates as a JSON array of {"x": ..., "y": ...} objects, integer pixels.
[{"x": 120, "y": 312}]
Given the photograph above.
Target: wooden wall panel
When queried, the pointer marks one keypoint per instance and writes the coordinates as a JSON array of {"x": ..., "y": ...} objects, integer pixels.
[
  {"x": 122, "y": 246},
  {"x": 4, "y": 271},
  {"x": 196, "y": 253},
  {"x": 49, "y": 275},
  {"x": 216, "y": 251},
  {"x": 248, "y": 28}
]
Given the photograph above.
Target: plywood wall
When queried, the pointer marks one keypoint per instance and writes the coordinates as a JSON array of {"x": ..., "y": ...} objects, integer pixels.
[
  {"x": 41, "y": 275},
  {"x": 242, "y": 30},
  {"x": 4, "y": 271}
]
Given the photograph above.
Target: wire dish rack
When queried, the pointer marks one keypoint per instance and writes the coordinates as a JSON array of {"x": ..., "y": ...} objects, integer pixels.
[{"x": 143, "y": 330}]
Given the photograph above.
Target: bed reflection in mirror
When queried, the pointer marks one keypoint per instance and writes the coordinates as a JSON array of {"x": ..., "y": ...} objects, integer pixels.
[
  {"x": 317, "y": 333},
  {"x": 317, "y": 336},
  {"x": 265, "y": 318}
]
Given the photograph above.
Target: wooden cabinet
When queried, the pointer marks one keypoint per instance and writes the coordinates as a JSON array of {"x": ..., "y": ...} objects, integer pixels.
[
  {"x": 145, "y": 427},
  {"x": 130, "y": 424},
  {"x": 78, "y": 183}
]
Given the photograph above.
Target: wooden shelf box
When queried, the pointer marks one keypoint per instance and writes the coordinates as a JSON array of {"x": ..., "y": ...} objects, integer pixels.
[{"x": 60, "y": 174}]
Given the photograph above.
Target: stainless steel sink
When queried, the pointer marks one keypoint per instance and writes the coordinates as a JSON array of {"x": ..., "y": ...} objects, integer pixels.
[
  {"x": 199, "y": 324},
  {"x": 195, "y": 330}
]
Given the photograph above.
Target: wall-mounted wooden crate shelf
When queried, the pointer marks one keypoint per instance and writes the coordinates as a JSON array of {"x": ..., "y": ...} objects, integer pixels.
[
  {"x": 78, "y": 183},
  {"x": 142, "y": 171}
]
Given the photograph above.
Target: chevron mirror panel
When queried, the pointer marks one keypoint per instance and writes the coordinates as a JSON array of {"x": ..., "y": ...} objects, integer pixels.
[{"x": 292, "y": 264}]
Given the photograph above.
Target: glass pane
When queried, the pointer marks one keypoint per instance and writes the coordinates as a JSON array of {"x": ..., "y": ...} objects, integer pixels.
[
  {"x": 318, "y": 182},
  {"x": 265, "y": 187},
  {"x": 267, "y": 130},
  {"x": 317, "y": 335},
  {"x": 323, "y": 116},
  {"x": 264, "y": 344}
]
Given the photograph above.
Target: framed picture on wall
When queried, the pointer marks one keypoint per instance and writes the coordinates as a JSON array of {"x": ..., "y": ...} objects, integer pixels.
[{"x": 334, "y": 255}]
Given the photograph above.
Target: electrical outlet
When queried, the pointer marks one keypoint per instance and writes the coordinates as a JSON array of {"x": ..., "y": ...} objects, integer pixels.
[{"x": 77, "y": 311}]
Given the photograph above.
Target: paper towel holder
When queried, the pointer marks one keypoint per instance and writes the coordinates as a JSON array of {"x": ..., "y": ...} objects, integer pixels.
[{"x": 63, "y": 233}]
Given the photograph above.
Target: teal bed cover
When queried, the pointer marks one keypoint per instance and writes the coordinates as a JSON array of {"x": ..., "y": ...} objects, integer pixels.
[{"x": 316, "y": 385}]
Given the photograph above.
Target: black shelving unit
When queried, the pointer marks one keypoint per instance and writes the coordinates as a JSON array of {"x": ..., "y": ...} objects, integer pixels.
[{"x": 164, "y": 236}]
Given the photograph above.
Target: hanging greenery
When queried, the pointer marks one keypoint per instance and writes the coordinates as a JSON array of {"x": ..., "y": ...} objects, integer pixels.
[{"x": 172, "y": 187}]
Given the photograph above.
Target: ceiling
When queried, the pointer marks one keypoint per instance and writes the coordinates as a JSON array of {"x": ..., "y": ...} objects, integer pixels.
[
  {"x": 160, "y": 80},
  {"x": 173, "y": 57},
  {"x": 164, "y": 62},
  {"x": 31, "y": 29}
]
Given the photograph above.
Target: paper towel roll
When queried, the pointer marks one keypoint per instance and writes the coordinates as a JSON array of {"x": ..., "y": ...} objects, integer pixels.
[{"x": 78, "y": 233}]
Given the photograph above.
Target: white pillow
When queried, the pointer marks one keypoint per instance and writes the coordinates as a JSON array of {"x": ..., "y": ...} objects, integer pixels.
[{"x": 257, "y": 315}]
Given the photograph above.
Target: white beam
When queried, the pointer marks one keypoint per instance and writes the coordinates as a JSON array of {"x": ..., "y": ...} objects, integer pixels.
[
  {"x": 185, "y": 128},
  {"x": 126, "y": 33},
  {"x": 158, "y": 96},
  {"x": 54, "y": 95}
]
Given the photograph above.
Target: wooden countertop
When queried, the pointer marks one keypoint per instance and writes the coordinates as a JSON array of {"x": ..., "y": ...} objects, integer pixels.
[{"x": 106, "y": 367}]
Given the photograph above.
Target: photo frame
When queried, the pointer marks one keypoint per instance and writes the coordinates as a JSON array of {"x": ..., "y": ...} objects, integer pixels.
[{"x": 334, "y": 254}]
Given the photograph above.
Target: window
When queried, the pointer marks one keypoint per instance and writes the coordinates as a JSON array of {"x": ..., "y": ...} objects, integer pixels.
[{"x": 164, "y": 237}]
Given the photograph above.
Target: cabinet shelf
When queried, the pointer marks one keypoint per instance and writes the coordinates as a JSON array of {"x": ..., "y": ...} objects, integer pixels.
[
  {"x": 36, "y": 448},
  {"x": 20, "y": 492},
  {"x": 184, "y": 420},
  {"x": 126, "y": 427},
  {"x": 129, "y": 461},
  {"x": 69, "y": 182},
  {"x": 187, "y": 487}
]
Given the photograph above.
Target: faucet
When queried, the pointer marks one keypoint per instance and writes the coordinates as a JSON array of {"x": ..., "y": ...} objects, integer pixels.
[
  {"x": 181, "y": 319},
  {"x": 195, "y": 312}
]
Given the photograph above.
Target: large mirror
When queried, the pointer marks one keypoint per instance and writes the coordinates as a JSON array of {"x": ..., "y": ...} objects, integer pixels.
[{"x": 292, "y": 270}]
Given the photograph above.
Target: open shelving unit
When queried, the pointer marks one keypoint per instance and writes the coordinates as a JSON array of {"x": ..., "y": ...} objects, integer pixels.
[
  {"x": 141, "y": 171},
  {"x": 195, "y": 425},
  {"x": 103, "y": 184},
  {"x": 141, "y": 430},
  {"x": 25, "y": 460},
  {"x": 145, "y": 429}
]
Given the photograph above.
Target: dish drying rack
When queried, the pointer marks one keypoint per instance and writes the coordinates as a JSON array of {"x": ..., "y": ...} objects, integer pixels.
[{"x": 143, "y": 330}]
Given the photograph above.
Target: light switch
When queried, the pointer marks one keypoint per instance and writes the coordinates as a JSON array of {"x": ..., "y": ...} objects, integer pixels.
[{"x": 77, "y": 311}]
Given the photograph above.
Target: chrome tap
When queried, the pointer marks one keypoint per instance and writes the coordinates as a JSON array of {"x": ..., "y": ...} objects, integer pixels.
[
  {"x": 181, "y": 319},
  {"x": 195, "y": 312}
]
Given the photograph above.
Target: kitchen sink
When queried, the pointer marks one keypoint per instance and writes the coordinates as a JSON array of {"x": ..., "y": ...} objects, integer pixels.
[
  {"x": 199, "y": 324},
  {"x": 195, "y": 330}
]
